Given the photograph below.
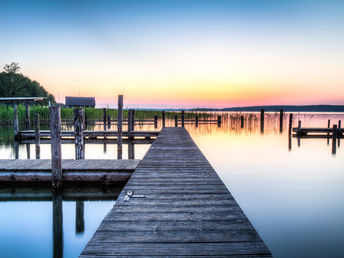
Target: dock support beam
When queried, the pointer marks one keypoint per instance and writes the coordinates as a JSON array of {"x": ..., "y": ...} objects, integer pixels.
[
  {"x": 262, "y": 120},
  {"x": 79, "y": 133},
  {"x": 55, "y": 139},
  {"x": 119, "y": 126},
  {"x": 15, "y": 121},
  {"x": 163, "y": 118},
  {"x": 37, "y": 137}
]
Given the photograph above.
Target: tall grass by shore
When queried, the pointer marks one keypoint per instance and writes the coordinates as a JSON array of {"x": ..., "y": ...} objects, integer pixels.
[{"x": 6, "y": 113}]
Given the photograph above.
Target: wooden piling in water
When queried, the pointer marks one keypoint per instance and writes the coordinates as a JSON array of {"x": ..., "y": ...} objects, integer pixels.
[
  {"x": 130, "y": 126},
  {"x": 176, "y": 121},
  {"x": 109, "y": 121},
  {"x": 334, "y": 138},
  {"x": 262, "y": 120},
  {"x": 290, "y": 130},
  {"x": 27, "y": 117},
  {"x": 281, "y": 120},
  {"x": 37, "y": 137},
  {"x": 299, "y": 133},
  {"x": 104, "y": 118},
  {"x": 155, "y": 121},
  {"x": 196, "y": 120},
  {"x": 79, "y": 133},
  {"x": 15, "y": 121},
  {"x": 183, "y": 118},
  {"x": 57, "y": 224},
  {"x": 242, "y": 121},
  {"x": 219, "y": 121},
  {"x": 339, "y": 131},
  {"x": 55, "y": 139},
  {"x": 119, "y": 126},
  {"x": 163, "y": 118},
  {"x": 328, "y": 134},
  {"x": 79, "y": 217}
]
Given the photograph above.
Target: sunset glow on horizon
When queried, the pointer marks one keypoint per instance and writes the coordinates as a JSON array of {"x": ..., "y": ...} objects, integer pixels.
[{"x": 210, "y": 53}]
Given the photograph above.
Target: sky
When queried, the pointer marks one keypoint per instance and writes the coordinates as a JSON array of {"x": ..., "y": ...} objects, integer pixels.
[{"x": 205, "y": 53}]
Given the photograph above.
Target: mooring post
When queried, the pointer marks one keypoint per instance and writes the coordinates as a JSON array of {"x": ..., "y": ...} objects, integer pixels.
[
  {"x": 176, "y": 121},
  {"x": 57, "y": 224},
  {"x": 37, "y": 137},
  {"x": 290, "y": 127},
  {"x": 219, "y": 121},
  {"x": 131, "y": 151},
  {"x": 196, "y": 120},
  {"x": 27, "y": 117},
  {"x": 15, "y": 121},
  {"x": 109, "y": 121},
  {"x": 79, "y": 217},
  {"x": 155, "y": 121},
  {"x": 262, "y": 120},
  {"x": 55, "y": 139},
  {"x": 79, "y": 133},
  {"x": 133, "y": 120},
  {"x": 334, "y": 138},
  {"x": 163, "y": 118},
  {"x": 130, "y": 126},
  {"x": 119, "y": 126},
  {"x": 328, "y": 134},
  {"x": 183, "y": 118},
  {"x": 242, "y": 121},
  {"x": 281, "y": 120},
  {"x": 339, "y": 131},
  {"x": 104, "y": 118}
]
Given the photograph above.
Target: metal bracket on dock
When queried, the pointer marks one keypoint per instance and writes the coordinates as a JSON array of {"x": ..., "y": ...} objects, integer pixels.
[{"x": 130, "y": 194}]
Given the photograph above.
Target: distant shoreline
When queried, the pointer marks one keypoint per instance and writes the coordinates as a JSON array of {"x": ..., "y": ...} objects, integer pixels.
[{"x": 277, "y": 108}]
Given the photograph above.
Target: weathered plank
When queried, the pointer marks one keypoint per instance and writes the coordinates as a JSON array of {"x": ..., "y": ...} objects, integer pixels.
[{"x": 175, "y": 204}]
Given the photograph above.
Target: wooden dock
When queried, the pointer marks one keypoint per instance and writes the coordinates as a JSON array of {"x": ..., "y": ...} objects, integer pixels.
[
  {"x": 175, "y": 204},
  {"x": 39, "y": 170}
]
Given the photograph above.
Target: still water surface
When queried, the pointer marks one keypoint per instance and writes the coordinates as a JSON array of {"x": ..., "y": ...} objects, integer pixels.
[{"x": 293, "y": 197}]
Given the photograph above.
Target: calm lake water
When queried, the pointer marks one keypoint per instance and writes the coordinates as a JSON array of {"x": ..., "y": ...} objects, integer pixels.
[{"x": 292, "y": 196}]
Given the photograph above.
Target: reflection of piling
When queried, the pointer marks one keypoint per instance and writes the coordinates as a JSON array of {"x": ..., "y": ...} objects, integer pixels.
[
  {"x": 15, "y": 121},
  {"x": 262, "y": 120},
  {"x": 281, "y": 120},
  {"x": 55, "y": 139},
  {"x": 290, "y": 127},
  {"x": 37, "y": 137},
  {"x": 104, "y": 118},
  {"x": 79, "y": 133},
  {"x": 334, "y": 138},
  {"x": 119, "y": 126},
  {"x": 57, "y": 224},
  {"x": 16, "y": 150},
  {"x": 155, "y": 121},
  {"x": 196, "y": 120},
  {"x": 27, "y": 117},
  {"x": 183, "y": 118},
  {"x": 28, "y": 154},
  {"x": 242, "y": 121},
  {"x": 163, "y": 118},
  {"x": 176, "y": 121},
  {"x": 79, "y": 217}
]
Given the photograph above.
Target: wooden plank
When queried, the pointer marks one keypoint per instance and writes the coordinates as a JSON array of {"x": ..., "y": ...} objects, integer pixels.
[{"x": 175, "y": 204}]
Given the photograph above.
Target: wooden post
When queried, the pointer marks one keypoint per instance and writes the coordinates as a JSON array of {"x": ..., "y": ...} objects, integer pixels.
[
  {"x": 104, "y": 118},
  {"x": 281, "y": 120},
  {"x": 28, "y": 153},
  {"x": 328, "y": 134},
  {"x": 290, "y": 127},
  {"x": 163, "y": 118},
  {"x": 176, "y": 121},
  {"x": 196, "y": 120},
  {"x": 79, "y": 217},
  {"x": 183, "y": 118},
  {"x": 334, "y": 138},
  {"x": 299, "y": 134},
  {"x": 131, "y": 151},
  {"x": 262, "y": 120},
  {"x": 15, "y": 121},
  {"x": 79, "y": 133},
  {"x": 130, "y": 120},
  {"x": 57, "y": 224},
  {"x": 16, "y": 150},
  {"x": 37, "y": 137},
  {"x": 27, "y": 117},
  {"x": 119, "y": 126},
  {"x": 242, "y": 121},
  {"x": 155, "y": 121},
  {"x": 219, "y": 121},
  {"x": 133, "y": 120},
  {"x": 55, "y": 139},
  {"x": 339, "y": 132},
  {"x": 109, "y": 121}
]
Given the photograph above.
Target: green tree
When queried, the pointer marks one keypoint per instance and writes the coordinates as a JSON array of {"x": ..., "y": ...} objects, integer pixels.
[{"x": 13, "y": 84}]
